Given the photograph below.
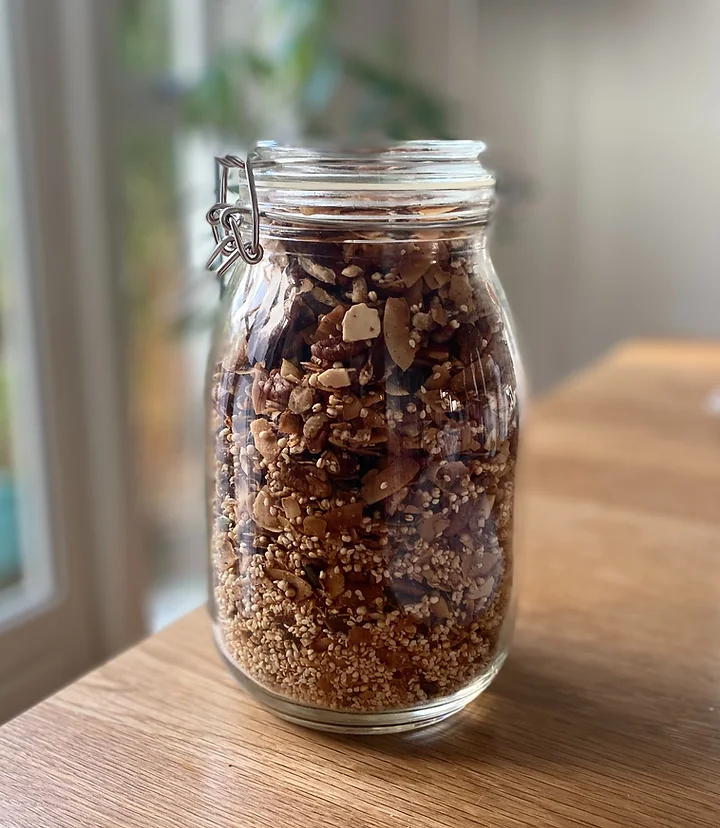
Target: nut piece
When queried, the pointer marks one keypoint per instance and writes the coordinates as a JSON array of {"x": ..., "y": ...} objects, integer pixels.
[
  {"x": 359, "y": 290},
  {"x": 301, "y": 398},
  {"x": 301, "y": 588},
  {"x": 315, "y": 526},
  {"x": 264, "y": 436},
  {"x": 291, "y": 507},
  {"x": 289, "y": 423},
  {"x": 334, "y": 378},
  {"x": 360, "y": 322},
  {"x": 440, "y": 608},
  {"x": 290, "y": 371},
  {"x": 436, "y": 277},
  {"x": 329, "y": 325},
  {"x": 460, "y": 290},
  {"x": 432, "y": 527},
  {"x": 396, "y": 327},
  {"x": 314, "y": 425},
  {"x": 317, "y": 271},
  {"x": 359, "y": 635},
  {"x": 345, "y": 517},
  {"x": 334, "y": 582},
  {"x": 262, "y": 511},
  {"x": 385, "y": 483},
  {"x": 413, "y": 266}
]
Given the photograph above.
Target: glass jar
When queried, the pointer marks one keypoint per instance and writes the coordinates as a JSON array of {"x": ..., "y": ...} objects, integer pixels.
[{"x": 363, "y": 436}]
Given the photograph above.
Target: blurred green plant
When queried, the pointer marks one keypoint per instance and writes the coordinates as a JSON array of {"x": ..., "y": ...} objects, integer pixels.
[
  {"x": 296, "y": 80},
  {"x": 293, "y": 80}
]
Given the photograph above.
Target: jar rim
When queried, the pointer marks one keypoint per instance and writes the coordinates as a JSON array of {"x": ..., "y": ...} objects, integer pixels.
[{"x": 430, "y": 165}]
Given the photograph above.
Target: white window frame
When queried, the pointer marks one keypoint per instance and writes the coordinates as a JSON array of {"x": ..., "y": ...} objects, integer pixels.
[{"x": 88, "y": 598}]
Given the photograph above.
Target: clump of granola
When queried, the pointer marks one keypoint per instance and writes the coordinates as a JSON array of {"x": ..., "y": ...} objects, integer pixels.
[{"x": 365, "y": 444}]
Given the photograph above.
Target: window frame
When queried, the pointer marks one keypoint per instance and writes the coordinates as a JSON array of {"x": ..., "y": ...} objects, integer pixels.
[{"x": 69, "y": 343}]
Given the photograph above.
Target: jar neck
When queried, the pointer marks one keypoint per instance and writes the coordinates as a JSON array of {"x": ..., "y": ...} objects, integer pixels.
[
  {"x": 414, "y": 185},
  {"x": 300, "y": 235},
  {"x": 392, "y": 211}
]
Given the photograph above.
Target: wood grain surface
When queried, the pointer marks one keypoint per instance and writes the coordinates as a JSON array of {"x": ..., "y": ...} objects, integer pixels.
[{"x": 606, "y": 714}]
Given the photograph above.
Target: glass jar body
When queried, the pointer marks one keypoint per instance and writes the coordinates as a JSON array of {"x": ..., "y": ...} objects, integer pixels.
[{"x": 363, "y": 438}]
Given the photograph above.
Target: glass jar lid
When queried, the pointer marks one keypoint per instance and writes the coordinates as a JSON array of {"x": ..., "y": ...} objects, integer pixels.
[
  {"x": 409, "y": 165},
  {"x": 409, "y": 183},
  {"x": 396, "y": 189}
]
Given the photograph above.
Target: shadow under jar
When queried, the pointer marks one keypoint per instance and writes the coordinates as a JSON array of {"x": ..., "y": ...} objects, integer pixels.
[{"x": 363, "y": 437}]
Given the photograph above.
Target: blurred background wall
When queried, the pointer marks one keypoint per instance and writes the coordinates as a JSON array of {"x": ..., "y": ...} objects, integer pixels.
[
  {"x": 608, "y": 109},
  {"x": 602, "y": 122}
]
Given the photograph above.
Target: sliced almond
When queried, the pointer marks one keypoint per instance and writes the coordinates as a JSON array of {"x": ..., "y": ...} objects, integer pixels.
[
  {"x": 360, "y": 322},
  {"x": 436, "y": 277},
  {"x": 471, "y": 378},
  {"x": 460, "y": 291},
  {"x": 359, "y": 290},
  {"x": 467, "y": 442},
  {"x": 349, "y": 515},
  {"x": 301, "y": 399},
  {"x": 396, "y": 327},
  {"x": 374, "y": 419},
  {"x": 439, "y": 314},
  {"x": 487, "y": 588},
  {"x": 317, "y": 271},
  {"x": 334, "y": 582},
  {"x": 265, "y": 440},
  {"x": 289, "y": 423},
  {"x": 378, "y": 435},
  {"x": 314, "y": 425},
  {"x": 359, "y": 635},
  {"x": 448, "y": 475},
  {"x": 371, "y": 398},
  {"x": 396, "y": 500},
  {"x": 315, "y": 526},
  {"x": 486, "y": 505},
  {"x": 334, "y": 378},
  {"x": 385, "y": 483},
  {"x": 439, "y": 378},
  {"x": 412, "y": 266},
  {"x": 291, "y": 507},
  {"x": 440, "y": 608},
  {"x": 393, "y": 390},
  {"x": 258, "y": 395},
  {"x": 289, "y": 371},
  {"x": 324, "y": 297},
  {"x": 320, "y": 645},
  {"x": 370, "y": 475},
  {"x": 352, "y": 408},
  {"x": 302, "y": 588},
  {"x": 432, "y": 527},
  {"x": 408, "y": 590},
  {"x": 365, "y": 374},
  {"x": 330, "y": 324},
  {"x": 325, "y": 685},
  {"x": 395, "y": 659},
  {"x": 262, "y": 514},
  {"x": 414, "y": 294}
]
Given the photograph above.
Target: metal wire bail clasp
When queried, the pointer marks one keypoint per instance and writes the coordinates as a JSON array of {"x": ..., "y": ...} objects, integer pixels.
[{"x": 226, "y": 219}]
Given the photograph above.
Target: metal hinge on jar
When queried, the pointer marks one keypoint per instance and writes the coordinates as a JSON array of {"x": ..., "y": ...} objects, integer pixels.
[{"x": 226, "y": 220}]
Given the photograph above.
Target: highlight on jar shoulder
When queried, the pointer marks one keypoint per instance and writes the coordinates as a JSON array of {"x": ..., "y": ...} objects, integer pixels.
[{"x": 363, "y": 435}]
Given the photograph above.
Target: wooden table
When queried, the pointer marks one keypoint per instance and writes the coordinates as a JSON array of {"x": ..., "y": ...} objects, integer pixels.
[{"x": 607, "y": 713}]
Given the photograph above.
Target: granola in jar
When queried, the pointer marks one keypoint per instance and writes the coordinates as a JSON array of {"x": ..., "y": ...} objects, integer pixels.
[{"x": 364, "y": 434}]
